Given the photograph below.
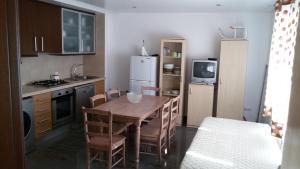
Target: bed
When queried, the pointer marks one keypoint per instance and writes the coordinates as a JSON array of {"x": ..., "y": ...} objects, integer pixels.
[{"x": 232, "y": 144}]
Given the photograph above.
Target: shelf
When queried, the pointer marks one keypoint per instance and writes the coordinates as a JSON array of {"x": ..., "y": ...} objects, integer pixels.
[
  {"x": 171, "y": 57},
  {"x": 71, "y": 38},
  {"x": 70, "y": 25},
  {"x": 171, "y": 74},
  {"x": 172, "y": 95}
]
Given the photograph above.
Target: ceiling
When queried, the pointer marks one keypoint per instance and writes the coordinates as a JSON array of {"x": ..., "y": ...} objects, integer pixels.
[{"x": 183, "y": 5}]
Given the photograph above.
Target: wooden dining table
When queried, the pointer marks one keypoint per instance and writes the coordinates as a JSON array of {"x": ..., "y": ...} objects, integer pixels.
[{"x": 125, "y": 111}]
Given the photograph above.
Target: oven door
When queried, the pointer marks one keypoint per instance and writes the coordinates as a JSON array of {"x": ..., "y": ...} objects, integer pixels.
[{"x": 62, "y": 110}]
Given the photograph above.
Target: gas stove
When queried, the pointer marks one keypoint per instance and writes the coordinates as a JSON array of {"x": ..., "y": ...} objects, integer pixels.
[{"x": 49, "y": 83}]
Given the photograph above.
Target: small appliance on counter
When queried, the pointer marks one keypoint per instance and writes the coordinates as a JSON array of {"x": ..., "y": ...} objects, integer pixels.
[{"x": 55, "y": 76}]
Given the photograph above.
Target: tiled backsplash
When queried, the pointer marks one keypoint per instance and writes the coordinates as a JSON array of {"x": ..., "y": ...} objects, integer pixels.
[{"x": 39, "y": 68}]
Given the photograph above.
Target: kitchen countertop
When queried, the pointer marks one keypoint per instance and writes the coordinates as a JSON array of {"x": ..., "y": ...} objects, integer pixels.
[{"x": 30, "y": 90}]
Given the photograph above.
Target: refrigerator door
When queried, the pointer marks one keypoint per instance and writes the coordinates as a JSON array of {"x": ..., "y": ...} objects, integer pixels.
[
  {"x": 136, "y": 86},
  {"x": 141, "y": 68}
]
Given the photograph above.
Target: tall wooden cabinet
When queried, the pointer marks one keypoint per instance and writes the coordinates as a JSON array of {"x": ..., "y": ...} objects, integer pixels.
[
  {"x": 200, "y": 103},
  {"x": 231, "y": 82},
  {"x": 173, "y": 51}
]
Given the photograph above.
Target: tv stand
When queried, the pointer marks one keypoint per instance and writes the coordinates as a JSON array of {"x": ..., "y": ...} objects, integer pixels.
[{"x": 200, "y": 103}]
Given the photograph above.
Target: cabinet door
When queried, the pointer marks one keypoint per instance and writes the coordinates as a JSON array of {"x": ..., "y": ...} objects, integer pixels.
[
  {"x": 87, "y": 23},
  {"x": 140, "y": 68},
  {"x": 200, "y": 104},
  {"x": 70, "y": 31},
  {"x": 49, "y": 29},
  {"x": 28, "y": 32},
  {"x": 231, "y": 87}
]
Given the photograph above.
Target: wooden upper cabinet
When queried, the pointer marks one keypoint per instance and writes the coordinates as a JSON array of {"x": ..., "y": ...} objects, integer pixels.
[
  {"x": 40, "y": 28},
  {"x": 47, "y": 28},
  {"x": 49, "y": 25},
  {"x": 28, "y": 25}
]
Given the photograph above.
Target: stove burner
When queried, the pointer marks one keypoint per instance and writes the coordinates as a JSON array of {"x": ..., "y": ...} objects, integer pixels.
[{"x": 49, "y": 83}]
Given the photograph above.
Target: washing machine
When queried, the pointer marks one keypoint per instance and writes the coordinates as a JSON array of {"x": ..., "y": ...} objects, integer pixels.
[{"x": 29, "y": 128}]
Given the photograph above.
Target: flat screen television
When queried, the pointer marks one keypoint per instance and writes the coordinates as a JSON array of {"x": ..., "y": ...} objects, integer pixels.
[{"x": 204, "y": 71}]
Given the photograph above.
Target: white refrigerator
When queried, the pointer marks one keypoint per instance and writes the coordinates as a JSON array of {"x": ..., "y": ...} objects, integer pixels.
[{"x": 143, "y": 72}]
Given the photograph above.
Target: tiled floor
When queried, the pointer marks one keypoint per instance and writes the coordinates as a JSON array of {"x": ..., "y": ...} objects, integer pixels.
[{"x": 69, "y": 153}]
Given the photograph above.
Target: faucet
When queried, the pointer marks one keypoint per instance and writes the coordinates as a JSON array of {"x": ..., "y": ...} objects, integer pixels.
[{"x": 74, "y": 69}]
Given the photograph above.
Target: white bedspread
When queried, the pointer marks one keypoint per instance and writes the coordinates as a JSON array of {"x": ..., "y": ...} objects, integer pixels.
[{"x": 231, "y": 144}]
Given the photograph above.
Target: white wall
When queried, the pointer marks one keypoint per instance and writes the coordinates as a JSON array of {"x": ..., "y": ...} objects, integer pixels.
[{"x": 125, "y": 32}]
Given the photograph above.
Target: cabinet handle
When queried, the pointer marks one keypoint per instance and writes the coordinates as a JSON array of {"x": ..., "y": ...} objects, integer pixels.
[
  {"x": 190, "y": 90},
  {"x": 35, "y": 44},
  {"x": 42, "y": 44},
  {"x": 81, "y": 45}
]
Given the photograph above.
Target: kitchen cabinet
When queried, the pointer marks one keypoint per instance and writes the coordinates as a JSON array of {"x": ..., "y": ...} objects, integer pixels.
[
  {"x": 200, "y": 104},
  {"x": 42, "y": 114},
  {"x": 39, "y": 33},
  {"x": 99, "y": 87},
  {"x": 231, "y": 83},
  {"x": 78, "y": 32},
  {"x": 47, "y": 28}
]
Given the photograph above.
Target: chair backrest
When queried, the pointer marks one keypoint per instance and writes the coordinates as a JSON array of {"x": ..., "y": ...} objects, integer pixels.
[
  {"x": 103, "y": 120},
  {"x": 165, "y": 117},
  {"x": 150, "y": 88},
  {"x": 174, "y": 113},
  {"x": 97, "y": 100},
  {"x": 112, "y": 94}
]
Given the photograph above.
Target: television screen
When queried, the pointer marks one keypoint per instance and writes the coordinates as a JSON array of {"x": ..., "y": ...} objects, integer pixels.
[{"x": 204, "y": 70}]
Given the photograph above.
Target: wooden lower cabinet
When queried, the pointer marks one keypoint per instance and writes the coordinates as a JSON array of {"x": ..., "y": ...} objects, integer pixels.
[
  {"x": 42, "y": 114},
  {"x": 200, "y": 104},
  {"x": 99, "y": 87}
]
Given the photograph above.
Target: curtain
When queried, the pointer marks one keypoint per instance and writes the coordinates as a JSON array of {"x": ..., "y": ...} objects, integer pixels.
[{"x": 281, "y": 62}]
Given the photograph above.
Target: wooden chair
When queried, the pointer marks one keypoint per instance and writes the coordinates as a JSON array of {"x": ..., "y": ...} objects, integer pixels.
[
  {"x": 112, "y": 94},
  {"x": 97, "y": 100},
  {"x": 144, "y": 90},
  {"x": 102, "y": 141},
  {"x": 118, "y": 128},
  {"x": 174, "y": 113},
  {"x": 156, "y": 136},
  {"x": 150, "y": 88}
]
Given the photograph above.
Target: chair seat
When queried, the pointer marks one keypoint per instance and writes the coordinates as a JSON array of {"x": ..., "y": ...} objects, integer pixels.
[
  {"x": 150, "y": 131},
  {"x": 155, "y": 122},
  {"x": 118, "y": 128},
  {"x": 102, "y": 141}
]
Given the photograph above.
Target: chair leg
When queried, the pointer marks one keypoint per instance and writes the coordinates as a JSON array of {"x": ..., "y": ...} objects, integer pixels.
[
  {"x": 124, "y": 149},
  {"x": 88, "y": 158},
  {"x": 159, "y": 149},
  {"x": 169, "y": 140}
]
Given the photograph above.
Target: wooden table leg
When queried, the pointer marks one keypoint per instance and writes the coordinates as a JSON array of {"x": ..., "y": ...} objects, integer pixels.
[{"x": 137, "y": 143}]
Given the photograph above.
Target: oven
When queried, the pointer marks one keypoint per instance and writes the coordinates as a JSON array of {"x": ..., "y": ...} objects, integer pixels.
[{"x": 62, "y": 107}]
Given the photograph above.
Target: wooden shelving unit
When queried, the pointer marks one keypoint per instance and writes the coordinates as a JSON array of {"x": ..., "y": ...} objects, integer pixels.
[{"x": 170, "y": 80}]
